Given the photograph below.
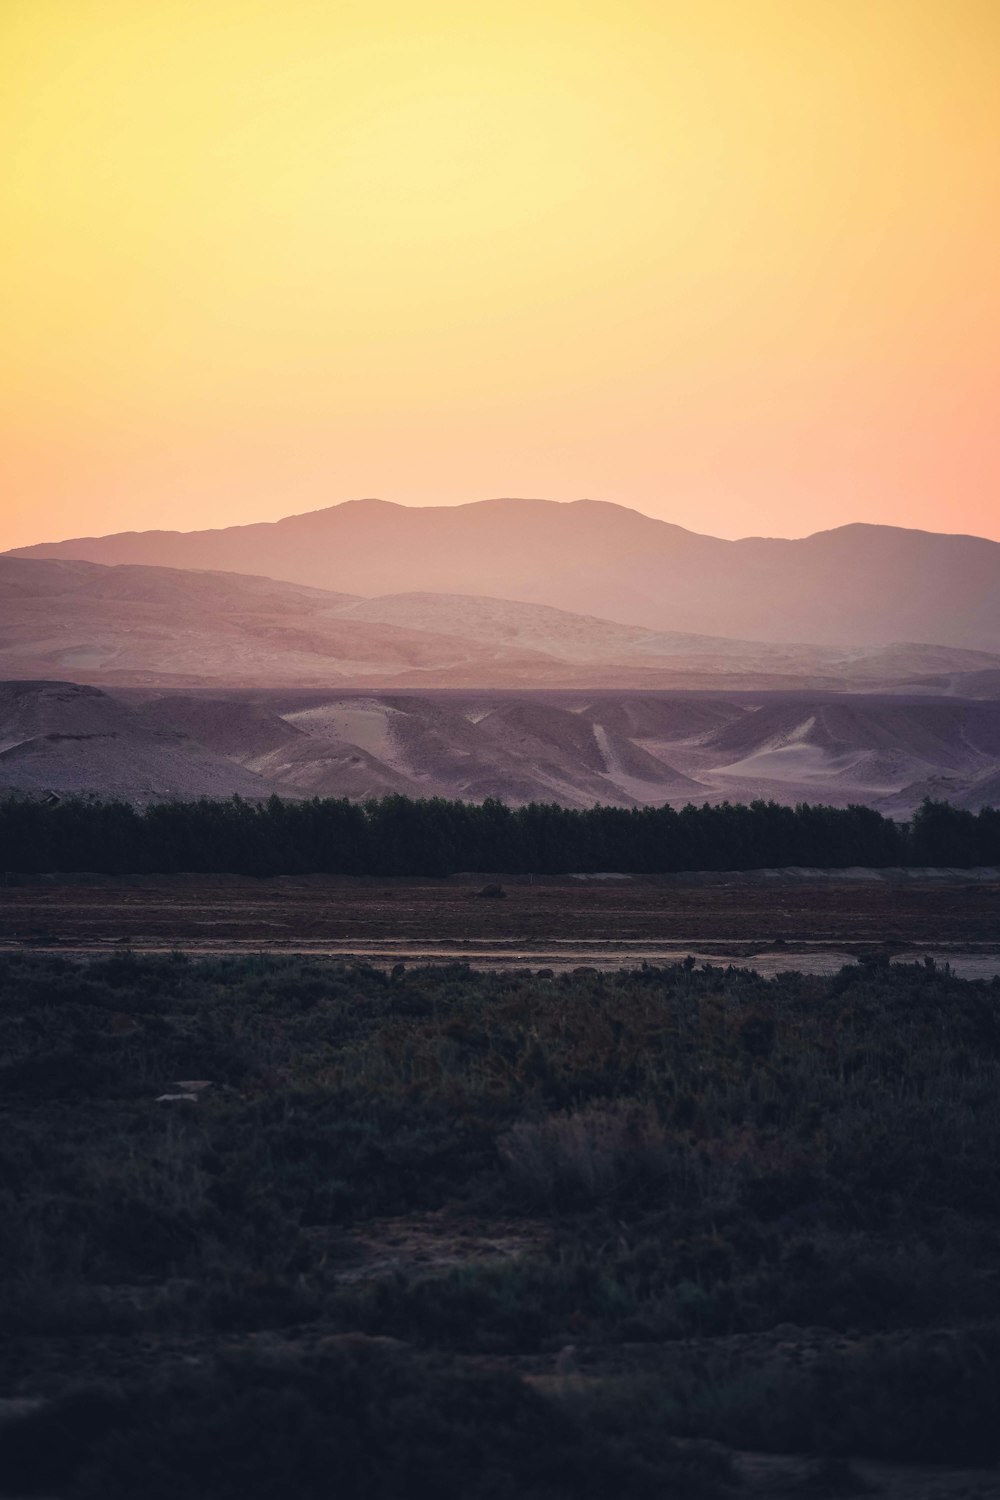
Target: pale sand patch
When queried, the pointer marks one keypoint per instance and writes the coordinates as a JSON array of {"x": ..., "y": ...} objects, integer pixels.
[
  {"x": 796, "y": 761},
  {"x": 365, "y": 722},
  {"x": 639, "y": 787}
]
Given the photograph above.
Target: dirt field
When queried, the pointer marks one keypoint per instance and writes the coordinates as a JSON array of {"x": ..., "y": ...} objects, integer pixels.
[{"x": 563, "y": 921}]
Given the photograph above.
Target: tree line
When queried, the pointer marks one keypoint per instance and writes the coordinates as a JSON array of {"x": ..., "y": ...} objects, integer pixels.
[{"x": 400, "y": 836}]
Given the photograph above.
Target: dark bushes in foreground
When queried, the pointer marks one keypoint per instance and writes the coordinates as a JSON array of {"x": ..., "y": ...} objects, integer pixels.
[
  {"x": 356, "y": 1420},
  {"x": 683, "y": 1159},
  {"x": 396, "y": 836}
]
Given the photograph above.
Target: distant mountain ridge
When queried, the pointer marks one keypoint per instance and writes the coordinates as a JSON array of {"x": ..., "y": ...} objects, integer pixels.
[
  {"x": 134, "y": 625},
  {"x": 858, "y": 585}
]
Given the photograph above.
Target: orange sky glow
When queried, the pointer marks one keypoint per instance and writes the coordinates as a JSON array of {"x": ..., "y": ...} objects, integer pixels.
[{"x": 733, "y": 263}]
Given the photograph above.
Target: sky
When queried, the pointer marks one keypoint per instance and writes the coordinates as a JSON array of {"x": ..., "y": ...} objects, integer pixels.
[{"x": 732, "y": 263}]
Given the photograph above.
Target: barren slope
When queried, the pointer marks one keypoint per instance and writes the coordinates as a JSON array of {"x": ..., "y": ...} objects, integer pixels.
[
  {"x": 867, "y": 749},
  {"x": 135, "y": 625},
  {"x": 359, "y": 746},
  {"x": 572, "y": 749},
  {"x": 503, "y": 623},
  {"x": 61, "y": 737}
]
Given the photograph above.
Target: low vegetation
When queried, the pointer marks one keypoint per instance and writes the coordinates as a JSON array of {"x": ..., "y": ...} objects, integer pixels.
[
  {"x": 398, "y": 836},
  {"x": 275, "y": 1226}
]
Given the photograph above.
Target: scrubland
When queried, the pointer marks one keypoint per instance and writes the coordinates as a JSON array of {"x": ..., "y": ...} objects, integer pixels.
[{"x": 280, "y": 1227}]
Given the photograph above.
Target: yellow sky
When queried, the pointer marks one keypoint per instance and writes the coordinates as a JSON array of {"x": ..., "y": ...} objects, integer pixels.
[{"x": 732, "y": 262}]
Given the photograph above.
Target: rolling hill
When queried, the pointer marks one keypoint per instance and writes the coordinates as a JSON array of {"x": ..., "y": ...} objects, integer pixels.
[
  {"x": 519, "y": 750},
  {"x": 878, "y": 747},
  {"x": 63, "y": 737},
  {"x": 573, "y": 749},
  {"x": 133, "y": 624},
  {"x": 136, "y": 624}
]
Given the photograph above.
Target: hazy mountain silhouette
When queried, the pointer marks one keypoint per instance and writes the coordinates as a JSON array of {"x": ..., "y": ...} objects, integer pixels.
[
  {"x": 168, "y": 625},
  {"x": 133, "y": 624},
  {"x": 856, "y": 585}
]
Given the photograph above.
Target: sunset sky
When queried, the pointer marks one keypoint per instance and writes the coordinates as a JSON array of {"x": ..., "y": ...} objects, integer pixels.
[{"x": 731, "y": 262}]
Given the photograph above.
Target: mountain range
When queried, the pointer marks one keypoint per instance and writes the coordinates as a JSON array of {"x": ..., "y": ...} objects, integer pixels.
[
  {"x": 519, "y": 649},
  {"x": 858, "y": 585}
]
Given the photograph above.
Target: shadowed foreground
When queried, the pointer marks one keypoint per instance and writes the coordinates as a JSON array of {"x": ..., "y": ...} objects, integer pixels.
[{"x": 274, "y": 1226}]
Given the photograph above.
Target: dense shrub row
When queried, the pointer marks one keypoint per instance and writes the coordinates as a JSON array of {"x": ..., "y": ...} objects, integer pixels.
[{"x": 397, "y": 836}]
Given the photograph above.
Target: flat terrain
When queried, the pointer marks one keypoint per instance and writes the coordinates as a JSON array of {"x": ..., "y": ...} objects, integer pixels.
[{"x": 620, "y": 920}]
